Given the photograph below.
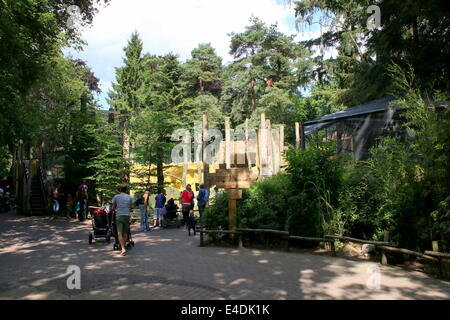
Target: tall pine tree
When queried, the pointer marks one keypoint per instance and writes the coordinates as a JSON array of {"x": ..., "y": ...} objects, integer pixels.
[{"x": 125, "y": 95}]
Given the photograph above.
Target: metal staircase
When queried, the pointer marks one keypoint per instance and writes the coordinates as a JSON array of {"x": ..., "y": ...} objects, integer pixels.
[{"x": 38, "y": 198}]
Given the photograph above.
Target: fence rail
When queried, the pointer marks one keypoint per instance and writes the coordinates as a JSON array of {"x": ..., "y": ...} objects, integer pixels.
[
  {"x": 382, "y": 245},
  {"x": 342, "y": 238}
]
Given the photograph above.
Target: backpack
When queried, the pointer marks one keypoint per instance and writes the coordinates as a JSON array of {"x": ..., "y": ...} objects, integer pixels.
[{"x": 203, "y": 196}]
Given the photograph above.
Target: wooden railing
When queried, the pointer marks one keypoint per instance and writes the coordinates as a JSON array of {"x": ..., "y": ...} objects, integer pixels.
[{"x": 381, "y": 245}]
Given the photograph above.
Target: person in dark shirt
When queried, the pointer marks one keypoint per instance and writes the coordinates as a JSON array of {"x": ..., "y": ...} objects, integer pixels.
[
  {"x": 160, "y": 201},
  {"x": 191, "y": 222},
  {"x": 202, "y": 199}
]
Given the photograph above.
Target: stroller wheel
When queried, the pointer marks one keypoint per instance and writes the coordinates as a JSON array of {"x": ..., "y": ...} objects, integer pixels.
[
  {"x": 115, "y": 247},
  {"x": 91, "y": 238}
]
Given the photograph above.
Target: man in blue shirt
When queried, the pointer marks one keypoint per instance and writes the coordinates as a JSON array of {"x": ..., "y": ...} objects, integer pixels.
[
  {"x": 160, "y": 201},
  {"x": 202, "y": 199}
]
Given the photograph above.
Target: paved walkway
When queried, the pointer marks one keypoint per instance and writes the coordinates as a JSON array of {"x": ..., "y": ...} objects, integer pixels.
[{"x": 167, "y": 264}]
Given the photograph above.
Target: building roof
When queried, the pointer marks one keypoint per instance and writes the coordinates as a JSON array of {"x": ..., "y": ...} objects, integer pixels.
[{"x": 379, "y": 105}]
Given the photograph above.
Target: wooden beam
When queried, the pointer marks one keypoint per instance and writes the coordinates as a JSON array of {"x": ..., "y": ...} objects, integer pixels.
[
  {"x": 232, "y": 210},
  {"x": 263, "y": 156},
  {"x": 438, "y": 254},
  {"x": 281, "y": 150},
  {"x": 309, "y": 239},
  {"x": 235, "y": 194},
  {"x": 409, "y": 252},
  {"x": 285, "y": 233},
  {"x": 198, "y": 150},
  {"x": 377, "y": 243},
  {"x": 297, "y": 136},
  {"x": 247, "y": 146},
  {"x": 270, "y": 164},
  {"x": 205, "y": 165},
  {"x": 228, "y": 146},
  {"x": 186, "y": 160}
]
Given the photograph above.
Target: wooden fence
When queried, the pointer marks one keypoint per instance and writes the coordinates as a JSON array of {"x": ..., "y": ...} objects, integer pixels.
[{"x": 381, "y": 245}]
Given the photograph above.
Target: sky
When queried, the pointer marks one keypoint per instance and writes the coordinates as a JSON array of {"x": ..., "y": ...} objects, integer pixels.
[{"x": 176, "y": 26}]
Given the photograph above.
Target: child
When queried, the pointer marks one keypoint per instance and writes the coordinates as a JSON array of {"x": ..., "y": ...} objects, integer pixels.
[
  {"x": 191, "y": 222},
  {"x": 70, "y": 207}
]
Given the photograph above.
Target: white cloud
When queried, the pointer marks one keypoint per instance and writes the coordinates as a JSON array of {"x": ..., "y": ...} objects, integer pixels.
[{"x": 176, "y": 26}]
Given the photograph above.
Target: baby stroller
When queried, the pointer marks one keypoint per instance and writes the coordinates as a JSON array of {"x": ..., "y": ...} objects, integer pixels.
[
  {"x": 116, "y": 246},
  {"x": 101, "y": 227}
]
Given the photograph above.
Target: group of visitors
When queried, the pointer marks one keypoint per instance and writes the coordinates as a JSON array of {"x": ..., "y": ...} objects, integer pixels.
[
  {"x": 165, "y": 210},
  {"x": 122, "y": 205},
  {"x": 6, "y": 203},
  {"x": 76, "y": 206}
]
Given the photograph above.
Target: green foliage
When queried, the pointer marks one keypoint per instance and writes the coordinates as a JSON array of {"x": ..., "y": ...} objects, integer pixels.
[
  {"x": 267, "y": 71},
  {"x": 108, "y": 166},
  {"x": 410, "y": 33},
  {"x": 32, "y": 34},
  {"x": 5, "y": 162},
  {"x": 204, "y": 71},
  {"x": 316, "y": 176},
  {"x": 440, "y": 224},
  {"x": 216, "y": 215},
  {"x": 165, "y": 109},
  {"x": 264, "y": 204},
  {"x": 300, "y": 201}
]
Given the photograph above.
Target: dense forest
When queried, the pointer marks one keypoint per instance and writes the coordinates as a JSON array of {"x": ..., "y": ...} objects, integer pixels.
[{"x": 48, "y": 98}]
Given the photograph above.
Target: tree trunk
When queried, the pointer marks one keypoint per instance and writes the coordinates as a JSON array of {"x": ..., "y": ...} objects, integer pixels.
[
  {"x": 252, "y": 90},
  {"x": 160, "y": 174},
  {"x": 126, "y": 148}
]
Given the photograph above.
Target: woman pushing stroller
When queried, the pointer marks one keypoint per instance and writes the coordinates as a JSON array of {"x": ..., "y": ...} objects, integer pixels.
[{"x": 122, "y": 204}]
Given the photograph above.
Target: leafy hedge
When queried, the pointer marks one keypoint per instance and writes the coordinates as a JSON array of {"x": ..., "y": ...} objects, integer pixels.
[{"x": 403, "y": 188}]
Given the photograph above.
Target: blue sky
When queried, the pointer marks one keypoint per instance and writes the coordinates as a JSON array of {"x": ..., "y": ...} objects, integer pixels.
[{"x": 176, "y": 26}]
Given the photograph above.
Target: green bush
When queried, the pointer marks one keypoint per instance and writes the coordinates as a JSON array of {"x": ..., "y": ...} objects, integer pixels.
[
  {"x": 315, "y": 176},
  {"x": 264, "y": 205},
  {"x": 403, "y": 188},
  {"x": 216, "y": 215}
]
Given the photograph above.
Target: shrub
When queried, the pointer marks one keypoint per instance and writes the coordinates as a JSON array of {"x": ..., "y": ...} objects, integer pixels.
[
  {"x": 264, "y": 205},
  {"x": 315, "y": 176},
  {"x": 216, "y": 215}
]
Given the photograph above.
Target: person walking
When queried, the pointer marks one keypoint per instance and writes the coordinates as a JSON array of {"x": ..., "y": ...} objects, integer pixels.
[
  {"x": 122, "y": 203},
  {"x": 56, "y": 198},
  {"x": 82, "y": 195},
  {"x": 160, "y": 201},
  {"x": 202, "y": 199},
  {"x": 186, "y": 203},
  {"x": 142, "y": 202},
  {"x": 191, "y": 222},
  {"x": 192, "y": 198}
]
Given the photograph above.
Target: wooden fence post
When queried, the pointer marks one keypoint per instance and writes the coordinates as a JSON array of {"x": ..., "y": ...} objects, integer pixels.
[
  {"x": 286, "y": 244},
  {"x": 384, "y": 260},
  {"x": 435, "y": 246},
  {"x": 333, "y": 248},
  {"x": 202, "y": 243},
  {"x": 241, "y": 243}
]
